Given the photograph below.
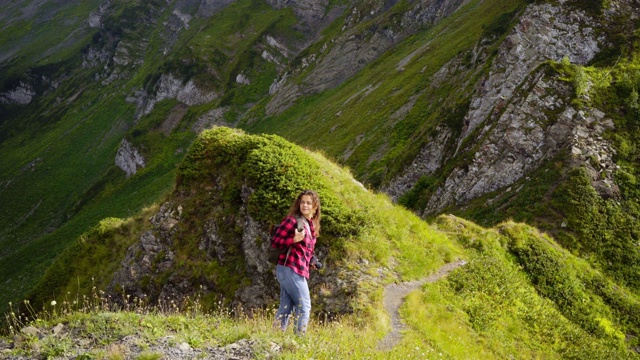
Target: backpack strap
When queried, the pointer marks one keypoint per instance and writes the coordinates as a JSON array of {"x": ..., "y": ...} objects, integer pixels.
[{"x": 286, "y": 257}]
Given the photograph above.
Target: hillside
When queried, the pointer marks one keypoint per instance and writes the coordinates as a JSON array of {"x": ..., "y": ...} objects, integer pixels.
[
  {"x": 491, "y": 111},
  {"x": 191, "y": 278}
]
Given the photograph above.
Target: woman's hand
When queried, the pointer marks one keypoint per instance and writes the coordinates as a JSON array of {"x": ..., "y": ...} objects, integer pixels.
[{"x": 299, "y": 236}]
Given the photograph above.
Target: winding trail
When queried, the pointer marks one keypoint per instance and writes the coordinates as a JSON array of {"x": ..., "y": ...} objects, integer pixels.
[{"x": 394, "y": 295}]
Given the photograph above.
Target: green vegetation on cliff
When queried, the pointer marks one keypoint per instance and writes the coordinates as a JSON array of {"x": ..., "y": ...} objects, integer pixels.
[
  {"x": 520, "y": 294},
  {"x": 226, "y": 170}
]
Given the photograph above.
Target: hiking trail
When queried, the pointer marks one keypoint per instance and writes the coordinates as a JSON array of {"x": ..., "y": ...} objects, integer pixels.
[{"x": 394, "y": 295}]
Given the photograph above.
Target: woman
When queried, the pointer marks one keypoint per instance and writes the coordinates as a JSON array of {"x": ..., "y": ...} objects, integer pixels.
[{"x": 292, "y": 270}]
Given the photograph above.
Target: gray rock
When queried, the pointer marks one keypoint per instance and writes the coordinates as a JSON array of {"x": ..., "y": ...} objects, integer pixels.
[
  {"x": 30, "y": 330},
  {"x": 153, "y": 257},
  {"x": 23, "y": 94},
  {"x": 58, "y": 329},
  {"x": 128, "y": 159},
  {"x": 170, "y": 87},
  {"x": 427, "y": 162},
  {"x": 95, "y": 18},
  {"x": 349, "y": 53},
  {"x": 243, "y": 79},
  {"x": 545, "y": 32},
  {"x": 210, "y": 7},
  {"x": 512, "y": 133}
]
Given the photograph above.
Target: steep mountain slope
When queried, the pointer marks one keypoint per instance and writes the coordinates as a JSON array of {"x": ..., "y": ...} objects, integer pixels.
[
  {"x": 488, "y": 109},
  {"x": 517, "y": 290},
  {"x": 210, "y": 235},
  {"x": 490, "y": 124},
  {"x": 102, "y": 133}
]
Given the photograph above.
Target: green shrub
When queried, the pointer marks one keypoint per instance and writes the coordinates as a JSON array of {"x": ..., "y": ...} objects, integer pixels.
[
  {"x": 600, "y": 227},
  {"x": 580, "y": 294},
  {"x": 274, "y": 169}
]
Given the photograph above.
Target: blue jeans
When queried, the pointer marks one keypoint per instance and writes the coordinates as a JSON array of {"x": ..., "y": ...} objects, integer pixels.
[{"x": 294, "y": 295}]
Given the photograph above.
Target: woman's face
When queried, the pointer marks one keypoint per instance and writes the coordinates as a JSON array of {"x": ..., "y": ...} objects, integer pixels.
[{"x": 306, "y": 206}]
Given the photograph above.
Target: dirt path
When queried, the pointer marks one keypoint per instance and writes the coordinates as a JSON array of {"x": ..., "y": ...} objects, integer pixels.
[{"x": 394, "y": 295}]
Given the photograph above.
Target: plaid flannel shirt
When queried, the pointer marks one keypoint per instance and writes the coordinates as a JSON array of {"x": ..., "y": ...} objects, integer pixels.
[{"x": 301, "y": 252}]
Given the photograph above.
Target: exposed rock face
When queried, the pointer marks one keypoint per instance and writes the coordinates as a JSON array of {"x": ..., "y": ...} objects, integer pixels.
[
  {"x": 95, "y": 18},
  {"x": 428, "y": 12},
  {"x": 309, "y": 12},
  {"x": 170, "y": 87},
  {"x": 128, "y": 159},
  {"x": 153, "y": 257},
  {"x": 545, "y": 32},
  {"x": 22, "y": 95},
  {"x": 210, "y": 7},
  {"x": 426, "y": 163},
  {"x": 243, "y": 79},
  {"x": 211, "y": 118},
  {"x": 355, "y": 49},
  {"x": 513, "y": 131},
  {"x": 94, "y": 57},
  {"x": 516, "y": 144},
  {"x": 590, "y": 149}
]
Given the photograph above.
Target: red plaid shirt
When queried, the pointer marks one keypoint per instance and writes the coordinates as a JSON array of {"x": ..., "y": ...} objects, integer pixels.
[{"x": 301, "y": 252}]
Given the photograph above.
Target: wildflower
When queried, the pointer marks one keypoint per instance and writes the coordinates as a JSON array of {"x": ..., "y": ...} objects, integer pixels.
[{"x": 53, "y": 303}]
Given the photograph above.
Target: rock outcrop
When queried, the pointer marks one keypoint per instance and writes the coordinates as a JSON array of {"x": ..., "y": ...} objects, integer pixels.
[
  {"x": 349, "y": 53},
  {"x": 128, "y": 158},
  {"x": 211, "y": 237},
  {"x": 95, "y": 18},
  {"x": 21, "y": 95},
  {"x": 545, "y": 32},
  {"x": 154, "y": 257},
  {"x": 170, "y": 87},
  {"x": 518, "y": 117}
]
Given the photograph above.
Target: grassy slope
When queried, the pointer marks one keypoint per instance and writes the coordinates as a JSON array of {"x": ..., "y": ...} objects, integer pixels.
[
  {"x": 120, "y": 197},
  {"x": 223, "y": 158},
  {"x": 520, "y": 295},
  {"x": 602, "y": 229},
  {"x": 99, "y": 209},
  {"x": 29, "y": 39},
  {"x": 329, "y": 122},
  {"x": 53, "y": 191},
  {"x": 74, "y": 149},
  {"x": 74, "y": 183},
  {"x": 606, "y": 229}
]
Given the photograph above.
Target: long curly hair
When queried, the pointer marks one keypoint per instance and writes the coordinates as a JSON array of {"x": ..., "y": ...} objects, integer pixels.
[{"x": 295, "y": 209}]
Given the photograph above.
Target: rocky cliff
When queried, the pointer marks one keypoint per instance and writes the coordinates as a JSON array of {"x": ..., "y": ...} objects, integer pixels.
[
  {"x": 342, "y": 57},
  {"x": 211, "y": 238},
  {"x": 434, "y": 118},
  {"x": 519, "y": 116}
]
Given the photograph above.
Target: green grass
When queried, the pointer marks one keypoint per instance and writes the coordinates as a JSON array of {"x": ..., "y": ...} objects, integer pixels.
[
  {"x": 65, "y": 194},
  {"x": 73, "y": 184},
  {"x": 494, "y": 307},
  {"x": 520, "y": 294},
  {"x": 357, "y": 224},
  {"x": 329, "y": 122},
  {"x": 51, "y": 24}
]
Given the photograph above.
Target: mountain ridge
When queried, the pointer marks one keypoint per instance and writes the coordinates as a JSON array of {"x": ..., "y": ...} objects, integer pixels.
[
  {"x": 489, "y": 110},
  {"x": 204, "y": 249}
]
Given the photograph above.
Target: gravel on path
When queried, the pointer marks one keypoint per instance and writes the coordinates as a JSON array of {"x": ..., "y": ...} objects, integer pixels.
[{"x": 394, "y": 295}]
